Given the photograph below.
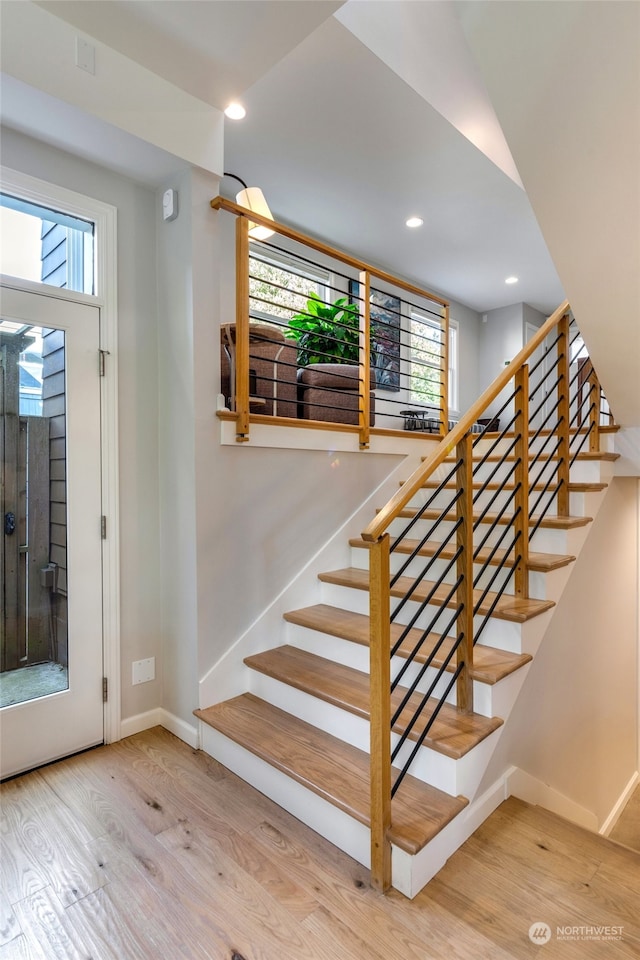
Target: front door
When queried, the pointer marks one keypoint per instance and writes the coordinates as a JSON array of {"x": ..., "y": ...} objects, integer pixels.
[{"x": 50, "y": 509}]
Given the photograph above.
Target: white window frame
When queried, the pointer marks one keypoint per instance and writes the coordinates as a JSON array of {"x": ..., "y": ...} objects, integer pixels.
[
  {"x": 452, "y": 359},
  {"x": 104, "y": 217}
]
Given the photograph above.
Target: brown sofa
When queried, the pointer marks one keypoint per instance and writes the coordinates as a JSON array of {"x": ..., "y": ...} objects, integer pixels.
[
  {"x": 330, "y": 392},
  {"x": 272, "y": 369}
]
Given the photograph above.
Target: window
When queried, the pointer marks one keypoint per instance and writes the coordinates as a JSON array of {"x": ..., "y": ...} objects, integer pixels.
[
  {"x": 280, "y": 283},
  {"x": 45, "y": 245},
  {"x": 426, "y": 337}
]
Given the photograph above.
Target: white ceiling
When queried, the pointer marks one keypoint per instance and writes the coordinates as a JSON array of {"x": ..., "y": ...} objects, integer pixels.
[{"x": 343, "y": 147}]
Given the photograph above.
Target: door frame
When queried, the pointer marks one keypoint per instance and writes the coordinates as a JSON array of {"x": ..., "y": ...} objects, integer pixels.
[{"x": 104, "y": 216}]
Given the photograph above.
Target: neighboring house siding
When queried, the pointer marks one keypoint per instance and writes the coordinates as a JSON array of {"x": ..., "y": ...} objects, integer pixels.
[
  {"x": 53, "y": 407},
  {"x": 54, "y": 254}
]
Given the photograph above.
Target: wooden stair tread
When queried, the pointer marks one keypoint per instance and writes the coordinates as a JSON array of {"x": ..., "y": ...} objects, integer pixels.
[
  {"x": 550, "y": 521},
  {"x": 334, "y": 770},
  {"x": 489, "y": 664},
  {"x": 452, "y": 733},
  {"x": 477, "y": 485},
  {"x": 508, "y": 607},
  {"x": 497, "y": 458},
  {"x": 540, "y": 562}
]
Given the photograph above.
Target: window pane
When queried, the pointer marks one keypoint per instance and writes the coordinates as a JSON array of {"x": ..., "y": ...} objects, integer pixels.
[
  {"x": 45, "y": 245},
  {"x": 426, "y": 352}
]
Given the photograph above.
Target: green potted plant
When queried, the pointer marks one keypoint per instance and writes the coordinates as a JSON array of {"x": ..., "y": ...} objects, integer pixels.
[{"x": 326, "y": 332}]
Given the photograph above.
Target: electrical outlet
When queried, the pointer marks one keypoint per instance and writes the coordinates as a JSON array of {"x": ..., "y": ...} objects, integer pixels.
[{"x": 143, "y": 670}]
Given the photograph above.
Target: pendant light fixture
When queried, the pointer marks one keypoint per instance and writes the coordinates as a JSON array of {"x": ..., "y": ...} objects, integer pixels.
[{"x": 253, "y": 199}]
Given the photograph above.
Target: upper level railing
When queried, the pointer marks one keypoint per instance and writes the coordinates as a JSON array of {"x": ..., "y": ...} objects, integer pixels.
[
  {"x": 321, "y": 338},
  {"x": 460, "y": 528}
]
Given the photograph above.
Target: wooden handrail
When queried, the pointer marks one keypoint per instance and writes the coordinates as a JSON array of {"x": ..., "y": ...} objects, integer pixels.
[
  {"x": 398, "y": 502},
  {"x": 221, "y": 203}
]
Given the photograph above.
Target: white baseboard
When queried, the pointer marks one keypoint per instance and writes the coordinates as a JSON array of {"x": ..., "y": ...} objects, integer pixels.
[
  {"x": 526, "y": 787},
  {"x": 160, "y": 717},
  {"x": 619, "y": 805}
]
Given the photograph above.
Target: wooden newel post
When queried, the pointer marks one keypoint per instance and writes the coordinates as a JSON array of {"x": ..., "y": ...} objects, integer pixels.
[
  {"x": 521, "y": 477},
  {"x": 594, "y": 411},
  {"x": 365, "y": 358},
  {"x": 564, "y": 416},
  {"x": 464, "y": 543},
  {"x": 380, "y": 707},
  {"x": 242, "y": 330}
]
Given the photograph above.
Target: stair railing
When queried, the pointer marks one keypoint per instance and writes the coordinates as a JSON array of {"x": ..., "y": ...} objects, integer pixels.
[
  {"x": 419, "y": 322},
  {"x": 427, "y": 616}
]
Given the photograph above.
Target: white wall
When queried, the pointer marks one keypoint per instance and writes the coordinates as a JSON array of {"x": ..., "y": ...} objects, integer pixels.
[
  {"x": 137, "y": 363},
  {"x": 575, "y": 725},
  {"x": 469, "y": 332}
]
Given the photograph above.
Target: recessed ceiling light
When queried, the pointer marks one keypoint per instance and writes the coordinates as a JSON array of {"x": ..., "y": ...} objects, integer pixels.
[
  {"x": 511, "y": 280},
  {"x": 414, "y": 222},
  {"x": 235, "y": 111}
]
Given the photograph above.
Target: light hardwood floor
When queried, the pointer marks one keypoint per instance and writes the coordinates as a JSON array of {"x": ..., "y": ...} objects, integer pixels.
[{"x": 148, "y": 850}]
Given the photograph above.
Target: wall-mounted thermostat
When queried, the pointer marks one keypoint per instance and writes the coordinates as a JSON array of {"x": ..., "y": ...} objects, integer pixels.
[{"x": 169, "y": 204}]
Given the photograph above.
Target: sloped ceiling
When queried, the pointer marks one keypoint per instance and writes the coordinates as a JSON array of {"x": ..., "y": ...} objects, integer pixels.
[{"x": 564, "y": 79}]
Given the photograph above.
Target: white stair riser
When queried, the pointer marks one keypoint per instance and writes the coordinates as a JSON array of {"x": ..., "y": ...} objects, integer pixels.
[
  {"x": 432, "y": 767},
  {"x": 438, "y": 569},
  {"x": 455, "y": 777}
]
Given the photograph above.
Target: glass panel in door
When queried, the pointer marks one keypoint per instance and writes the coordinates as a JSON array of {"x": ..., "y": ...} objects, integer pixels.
[{"x": 33, "y": 622}]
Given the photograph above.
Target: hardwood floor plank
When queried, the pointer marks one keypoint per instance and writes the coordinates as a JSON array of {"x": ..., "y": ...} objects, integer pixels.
[
  {"x": 255, "y": 922},
  {"x": 9, "y": 925},
  {"x": 502, "y": 902},
  {"x": 49, "y": 837},
  {"x": 18, "y": 949},
  {"x": 44, "y": 921},
  {"x": 247, "y": 856},
  {"x": 104, "y": 928}
]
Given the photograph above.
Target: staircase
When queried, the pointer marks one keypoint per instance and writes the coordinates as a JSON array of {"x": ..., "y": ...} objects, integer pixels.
[{"x": 301, "y": 732}]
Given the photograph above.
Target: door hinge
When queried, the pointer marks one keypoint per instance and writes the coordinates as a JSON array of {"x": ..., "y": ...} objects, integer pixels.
[
  {"x": 102, "y": 359},
  {"x": 105, "y": 689},
  {"x": 103, "y": 527}
]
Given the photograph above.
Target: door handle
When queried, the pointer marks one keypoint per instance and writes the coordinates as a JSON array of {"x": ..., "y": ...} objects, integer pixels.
[{"x": 9, "y": 523}]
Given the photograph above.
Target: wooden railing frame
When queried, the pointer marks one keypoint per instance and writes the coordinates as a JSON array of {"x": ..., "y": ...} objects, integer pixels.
[
  {"x": 366, "y": 271},
  {"x": 564, "y": 416},
  {"x": 365, "y": 359},
  {"x": 242, "y": 330},
  {"x": 521, "y": 479},
  {"x": 380, "y": 714},
  {"x": 464, "y": 543}
]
